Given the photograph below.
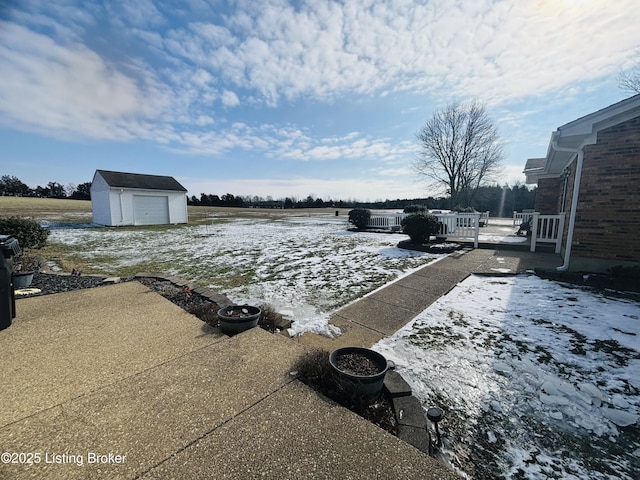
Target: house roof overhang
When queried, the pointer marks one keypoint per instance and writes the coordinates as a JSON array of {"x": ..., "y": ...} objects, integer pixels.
[{"x": 568, "y": 138}]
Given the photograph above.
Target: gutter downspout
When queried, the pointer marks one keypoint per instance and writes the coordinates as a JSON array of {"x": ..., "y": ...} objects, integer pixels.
[{"x": 574, "y": 201}]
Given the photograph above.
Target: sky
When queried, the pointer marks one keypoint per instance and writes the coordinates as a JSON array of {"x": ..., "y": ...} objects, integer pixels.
[{"x": 279, "y": 98}]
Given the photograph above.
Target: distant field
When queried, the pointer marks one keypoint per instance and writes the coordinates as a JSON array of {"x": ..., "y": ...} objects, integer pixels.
[
  {"x": 53, "y": 209},
  {"x": 44, "y": 208},
  {"x": 56, "y": 213}
]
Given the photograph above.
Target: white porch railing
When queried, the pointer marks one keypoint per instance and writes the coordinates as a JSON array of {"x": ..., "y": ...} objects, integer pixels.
[
  {"x": 393, "y": 222},
  {"x": 460, "y": 225},
  {"x": 522, "y": 217},
  {"x": 547, "y": 229},
  {"x": 452, "y": 225}
]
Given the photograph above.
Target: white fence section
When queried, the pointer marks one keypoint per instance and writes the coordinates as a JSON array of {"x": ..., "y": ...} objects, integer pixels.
[
  {"x": 460, "y": 225},
  {"x": 452, "y": 225},
  {"x": 392, "y": 222},
  {"x": 547, "y": 229},
  {"x": 521, "y": 217}
]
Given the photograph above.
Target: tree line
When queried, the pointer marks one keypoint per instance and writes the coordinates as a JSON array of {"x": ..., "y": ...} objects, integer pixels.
[
  {"x": 11, "y": 186},
  {"x": 500, "y": 201}
]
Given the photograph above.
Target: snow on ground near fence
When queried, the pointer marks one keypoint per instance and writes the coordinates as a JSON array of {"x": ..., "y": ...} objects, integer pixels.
[
  {"x": 306, "y": 267},
  {"x": 500, "y": 230},
  {"x": 537, "y": 379}
]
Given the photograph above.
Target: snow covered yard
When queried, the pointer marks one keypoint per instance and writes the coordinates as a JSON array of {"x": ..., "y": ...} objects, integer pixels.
[
  {"x": 537, "y": 379},
  {"x": 306, "y": 267}
]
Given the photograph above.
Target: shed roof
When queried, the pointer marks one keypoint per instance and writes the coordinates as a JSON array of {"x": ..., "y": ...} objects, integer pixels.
[{"x": 138, "y": 180}]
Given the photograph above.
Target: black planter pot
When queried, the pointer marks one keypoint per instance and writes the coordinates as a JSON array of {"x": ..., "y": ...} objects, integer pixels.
[
  {"x": 366, "y": 387},
  {"x": 238, "y": 318},
  {"x": 22, "y": 280}
]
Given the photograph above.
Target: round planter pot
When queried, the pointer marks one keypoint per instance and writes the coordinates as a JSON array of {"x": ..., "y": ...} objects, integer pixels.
[
  {"x": 238, "y": 318},
  {"x": 367, "y": 387},
  {"x": 22, "y": 280}
]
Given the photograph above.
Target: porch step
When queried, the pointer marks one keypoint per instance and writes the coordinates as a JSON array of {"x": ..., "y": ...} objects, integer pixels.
[{"x": 517, "y": 247}]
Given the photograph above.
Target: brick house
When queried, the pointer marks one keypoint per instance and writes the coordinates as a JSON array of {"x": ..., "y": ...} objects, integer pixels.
[{"x": 592, "y": 174}]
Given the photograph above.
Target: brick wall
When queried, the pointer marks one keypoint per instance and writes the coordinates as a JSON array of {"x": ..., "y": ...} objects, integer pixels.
[
  {"x": 608, "y": 213},
  {"x": 549, "y": 195}
]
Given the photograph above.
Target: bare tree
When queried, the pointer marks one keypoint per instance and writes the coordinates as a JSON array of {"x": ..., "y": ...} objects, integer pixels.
[
  {"x": 629, "y": 80},
  {"x": 459, "y": 149}
]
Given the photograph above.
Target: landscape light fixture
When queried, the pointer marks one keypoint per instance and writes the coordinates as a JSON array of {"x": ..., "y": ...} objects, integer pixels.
[{"x": 434, "y": 414}]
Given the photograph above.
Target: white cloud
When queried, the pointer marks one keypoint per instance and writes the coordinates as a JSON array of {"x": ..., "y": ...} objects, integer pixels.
[
  {"x": 168, "y": 82},
  {"x": 498, "y": 51},
  {"x": 510, "y": 174},
  {"x": 230, "y": 99},
  {"x": 139, "y": 12},
  {"x": 67, "y": 88},
  {"x": 293, "y": 144},
  {"x": 214, "y": 35},
  {"x": 540, "y": 47}
]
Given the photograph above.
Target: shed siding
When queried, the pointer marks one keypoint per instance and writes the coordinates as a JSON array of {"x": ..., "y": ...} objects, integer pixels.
[{"x": 100, "y": 201}]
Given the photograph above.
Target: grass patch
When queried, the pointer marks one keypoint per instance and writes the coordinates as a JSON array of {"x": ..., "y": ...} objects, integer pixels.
[
  {"x": 67, "y": 209},
  {"x": 65, "y": 257},
  {"x": 44, "y": 208},
  {"x": 225, "y": 276}
]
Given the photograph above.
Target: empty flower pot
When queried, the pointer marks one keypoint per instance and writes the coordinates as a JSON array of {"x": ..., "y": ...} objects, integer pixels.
[{"x": 238, "y": 318}]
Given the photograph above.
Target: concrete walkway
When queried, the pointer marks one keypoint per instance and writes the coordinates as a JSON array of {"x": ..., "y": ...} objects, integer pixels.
[
  {"x": 384, "y": 311},
  {"x": 118, "y": 382}
]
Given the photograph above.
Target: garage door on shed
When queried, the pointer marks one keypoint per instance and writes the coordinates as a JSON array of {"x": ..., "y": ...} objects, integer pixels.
[{"x": 150, "y": 210}]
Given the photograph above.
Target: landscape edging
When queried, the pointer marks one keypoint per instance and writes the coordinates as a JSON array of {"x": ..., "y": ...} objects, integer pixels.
[{"x": 410, "y": 416}]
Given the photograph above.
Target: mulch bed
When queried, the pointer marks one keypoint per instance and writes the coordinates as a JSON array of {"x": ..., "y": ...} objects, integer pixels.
[
  {"x": 314, "y": 369},
  {"x": 201, "y": 307},
  {"x": 50, "y": 283}
]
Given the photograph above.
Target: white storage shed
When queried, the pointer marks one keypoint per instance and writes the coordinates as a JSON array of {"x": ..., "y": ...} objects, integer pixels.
[{"x": 119, "y": 199}]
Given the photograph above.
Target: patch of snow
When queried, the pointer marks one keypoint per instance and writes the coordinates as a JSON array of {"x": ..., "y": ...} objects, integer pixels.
[
  {"x": 493, "y": 238},
  {"x": 633, "y": 375},
  {"x": 620, "y": 417},
  {"x": 546, "y": 367}
]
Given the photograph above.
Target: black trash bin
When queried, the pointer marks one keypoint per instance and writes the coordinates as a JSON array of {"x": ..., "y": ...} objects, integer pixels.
[{"x": 9, "y": 247}]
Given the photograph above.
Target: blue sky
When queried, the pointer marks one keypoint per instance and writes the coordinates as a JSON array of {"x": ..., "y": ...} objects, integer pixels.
[{"x": 284, "y": 98}]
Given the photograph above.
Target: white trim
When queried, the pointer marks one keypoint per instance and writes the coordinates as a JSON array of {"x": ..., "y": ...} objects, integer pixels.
[
  {"x": 575, "y": 135},
  {"x": 574, "y": 203}
]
